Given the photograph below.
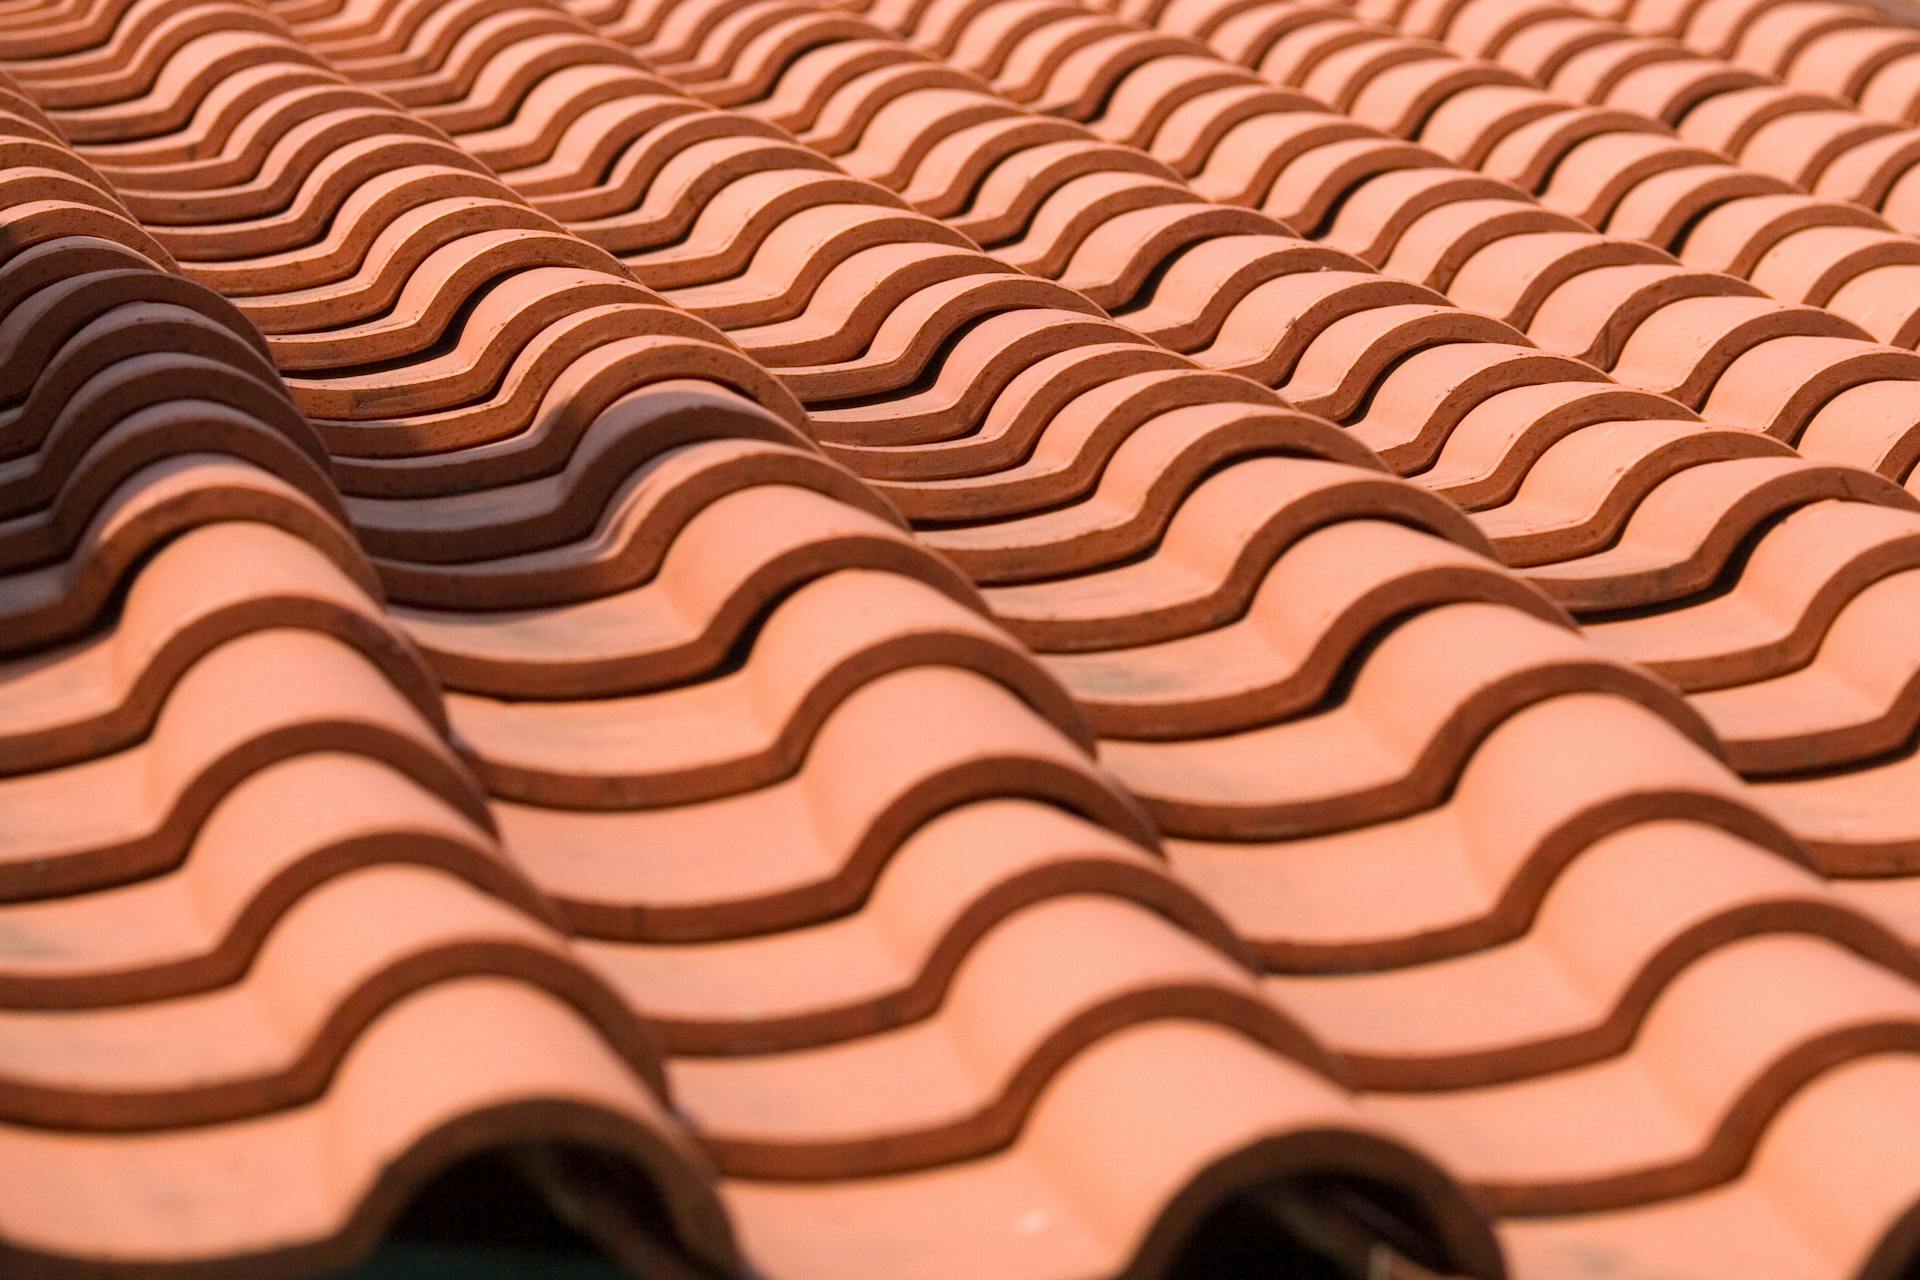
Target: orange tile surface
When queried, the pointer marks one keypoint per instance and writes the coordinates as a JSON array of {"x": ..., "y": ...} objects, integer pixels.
[{"x": 1044, "y": 639}]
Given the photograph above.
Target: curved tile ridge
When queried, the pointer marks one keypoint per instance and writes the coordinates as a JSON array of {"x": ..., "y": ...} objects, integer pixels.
[
  {"x": 764, "y": 1149},
  {"x": 1851, "y": 51},
  {"x": 1055, "y": 630},
  {"x": 468, "y": 364},
  {"x": 1746, "y": 747},
  {"x": 952, "y": 1224},
  {"x": 1658, "y": 1176},
  {"x": 772, "y": 1141},
  {"x": 1047, "y": 614},
  {"x": 662, "y": 918},
  {"x": 515, "y": 1068},
  {"x": 740, "y": 602},
  {"x": 1815, "y": 141},
  {"x": 988, "y": 559},
  {"x": 489, "y": 142},
  {"x": 1568, "y": 468},
  {"x": 1739, "y": 1071},
  {"x": 1884, "y": 947},
  {"x": 1143, "y": 714},
  {"x": 1685, "y": 509},
  {"x": 1630, "y": 176},
  {"x": 1653, "y": 322},
  {"x": 1762, "y": 1224},
  {"x": 226, "y": 797}
]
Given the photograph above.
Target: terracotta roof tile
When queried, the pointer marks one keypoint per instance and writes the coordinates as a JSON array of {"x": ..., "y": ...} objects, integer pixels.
[
  {"x": 210, "y": 953},
  {"x": 922, "y": 583},
  {"x": 1139, "y": 772},
  {"x": 585, "y": 619}
]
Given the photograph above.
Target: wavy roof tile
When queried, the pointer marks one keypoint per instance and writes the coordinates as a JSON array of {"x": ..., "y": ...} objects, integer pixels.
[{"x": 962, "y": 637}]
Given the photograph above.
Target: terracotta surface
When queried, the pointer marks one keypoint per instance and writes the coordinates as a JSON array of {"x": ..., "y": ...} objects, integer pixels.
[
  {"x": 1608, "y": 498},
  {"x": 958, "y": 634},
  {"x": 669, "y": 628},
  {"x": 1854, "y": 52}
]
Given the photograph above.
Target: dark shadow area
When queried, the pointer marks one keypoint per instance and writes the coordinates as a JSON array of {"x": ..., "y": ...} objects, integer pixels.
[
  {"x": 1309, "y": 1229},
  {"x": 482, "y": 1220},
  {"x": 1241, "y": 1239},
  {"x": 448, "y": 1262}
]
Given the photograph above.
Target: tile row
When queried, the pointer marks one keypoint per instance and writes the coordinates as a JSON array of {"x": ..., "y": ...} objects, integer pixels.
[
  {"x": 1630, "y": 176},
  {"x": 1813, "y": 141},
  {"x": 244, "y": 875},
  {"x": 1627, "y": 493},
  {"x": 1629, "y": 501},
  {"x": 1681, "y": 328},
  {"x": 1851, "y": 51},
  {"x": 1572, "y": 1063},
  {"x": 1211, "y": 772},
  {"x": 686, "y": 657}
]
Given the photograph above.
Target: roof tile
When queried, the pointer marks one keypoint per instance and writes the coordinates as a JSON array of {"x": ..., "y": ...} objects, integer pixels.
[{"x": 922, "y": 582}]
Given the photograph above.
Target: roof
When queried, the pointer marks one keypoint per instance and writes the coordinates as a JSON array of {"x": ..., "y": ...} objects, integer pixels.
[{"x": 962, "y": 637}]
